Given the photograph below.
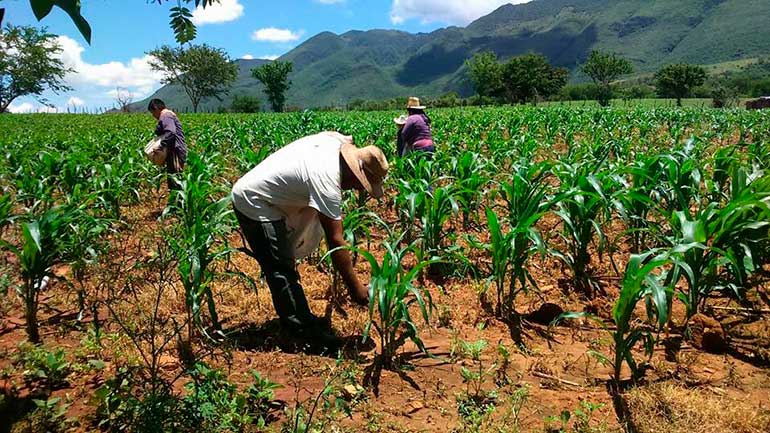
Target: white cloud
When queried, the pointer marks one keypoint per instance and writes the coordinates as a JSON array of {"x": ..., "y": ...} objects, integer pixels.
[
  {"x": 24, "y": 107},
  {"x": 269, "y": 57},
  {"x": 47, "y": 109},
  {"x": 77, "y": 102},
  {"x": 247, "y": 57},
  {"x": 216, "y": 13},
  {"x": 28, "y": 107},
  {"x": 272, "y": 34},
  {"x": 459, "y": 12},
  {"x": 135, "y": 75}
]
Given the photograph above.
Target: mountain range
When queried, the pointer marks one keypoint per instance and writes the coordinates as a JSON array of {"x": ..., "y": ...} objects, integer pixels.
[{"x": 331, "y": 69}]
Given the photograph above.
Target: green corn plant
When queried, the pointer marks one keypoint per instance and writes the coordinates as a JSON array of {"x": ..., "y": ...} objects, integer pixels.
[
  {"x": 409, "y": 203},
  {"x": 648, "y": 277},
  {"x": 114, "y": 186},
  {"x": 470, "y": 180},
  {"x": 439, "y": 206},
  {"x": 392, "y": 293},
  {"x": 42, "y": 237},
  {"x": 582, "y": 210},
  {"x": 6, "y": 214},
  {"x": 636, "y": 202},
  {"x": 526, "y": 198},
  {"x": 86, "y": 241},
  {"x": 682, "y": 178},
  {"x": 718, "y": 243},
  {"x": 199, "y": 239},
  {"x": 358, "y": 225}
]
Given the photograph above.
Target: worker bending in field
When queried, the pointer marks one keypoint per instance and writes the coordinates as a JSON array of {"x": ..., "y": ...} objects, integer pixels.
[
  {"x": 289, "y": 201},
  {"x": 414, "y": 133},
  {"x": 169, "y": 129}
]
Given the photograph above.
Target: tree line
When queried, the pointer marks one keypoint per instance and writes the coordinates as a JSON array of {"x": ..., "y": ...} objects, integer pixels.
[{"x": 530, "y": 77}]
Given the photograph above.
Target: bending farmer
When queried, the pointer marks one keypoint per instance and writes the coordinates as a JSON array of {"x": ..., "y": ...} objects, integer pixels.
[
  {"x": 293, "y": 198},
  {"x": 169, "y": 129}
]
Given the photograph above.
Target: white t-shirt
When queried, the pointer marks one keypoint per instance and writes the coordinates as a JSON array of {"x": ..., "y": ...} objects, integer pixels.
[{"x": 292, "y": 184}]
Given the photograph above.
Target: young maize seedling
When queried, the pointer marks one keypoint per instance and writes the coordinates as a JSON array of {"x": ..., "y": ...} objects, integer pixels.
[
  {"x": 391, "y": 294},
  {"x": 204, "y": 223}
]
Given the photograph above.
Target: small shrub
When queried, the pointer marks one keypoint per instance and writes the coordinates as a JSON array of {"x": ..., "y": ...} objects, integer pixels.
[{"x": 42, "y": 367}]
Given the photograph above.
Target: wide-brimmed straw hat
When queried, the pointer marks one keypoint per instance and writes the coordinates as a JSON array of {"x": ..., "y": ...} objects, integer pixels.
[
  {"x": 414, "y": 103},
  {"x": 400, "y": 120},
  {"x": 368, "y": 164}
]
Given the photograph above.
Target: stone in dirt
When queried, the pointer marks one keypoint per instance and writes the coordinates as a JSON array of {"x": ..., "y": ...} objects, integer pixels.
[
  {"x": 546, "y": 314},
  {"x": 349, "y": 392},
  {"x": 707, "y": 334},
  {"x": 414, "y": 407}
]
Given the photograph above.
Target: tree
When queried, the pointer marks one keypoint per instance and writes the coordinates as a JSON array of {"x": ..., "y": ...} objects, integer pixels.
[
  {"x": 486, "y": 73},
  {"x": 245, "y": 104},
  {"x": 530, "y": 76},
  {"x": 678, "y": 80},
  {"x": 604, "y": 68},
  {"x": 201, "y": 70},
  {"x": 181, "y": 17},
  {"x": 29, "y": 64},
  {"x": 123, "y": 98},
  {"x": 275, "y": 77}
]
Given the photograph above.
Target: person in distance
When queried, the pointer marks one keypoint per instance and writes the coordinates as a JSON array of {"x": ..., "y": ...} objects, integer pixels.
[
  {"x": 169, "y": 129},
  {"x": 288, "y": 202},
  {"x": 414, "y": 131}
]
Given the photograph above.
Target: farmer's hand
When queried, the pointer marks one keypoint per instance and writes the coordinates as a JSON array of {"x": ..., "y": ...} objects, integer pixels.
[
  {"x": 341, "y": 260},
  {"x": 360, "y": 295}
]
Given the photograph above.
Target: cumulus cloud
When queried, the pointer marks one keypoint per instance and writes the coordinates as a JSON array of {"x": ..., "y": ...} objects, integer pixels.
[
  {"x": 272, "y": 34},
  {"x": 247, "y": 57},
  {"x": 75, "y": 101},
  {"x": 216, "y": 13},
  {"x": 269, "y": 57},
  {"x": 459, "y": 12},
  {"x": 24, "y": 107},
  {"x": 136, "y": 74}
]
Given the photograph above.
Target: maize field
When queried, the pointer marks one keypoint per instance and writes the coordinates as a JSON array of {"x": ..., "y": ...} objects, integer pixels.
[{"x": 546, "y": 270}]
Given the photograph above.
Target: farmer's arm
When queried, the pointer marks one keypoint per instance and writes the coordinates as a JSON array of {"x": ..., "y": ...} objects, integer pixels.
[
  {"x": 166, "y": 130},
  {"x": 341, "y": 259}
]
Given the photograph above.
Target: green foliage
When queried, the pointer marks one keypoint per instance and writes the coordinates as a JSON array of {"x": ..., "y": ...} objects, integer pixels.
[
  {"x": 215, "y": 405},
  {"x": 721, "y": 237},
  {"x": 581, "y": 420},
  {"x": 583, "y": 209},
  {"x": 275, "y": 77},
  {"x": 201, "y": 70},
  {"x": 43, "y": 239},
  {"x": 678, "y": 80},
  {"x": 29, "y": 64},
  {"x": 211, "y": 404},
  {"x": 245, "y": 104},
  {"x": 43, "y": 367},
  {"x": 604, "y": 68},
  {"x": 529, "y": 77},
  {"x": 646, "y": 278},
  {"x": 486, "y": 73},
  {"x": 391, "y": 295},
  {"x": 204, "y": 223},
  {"x": 41, "y": 9},
  {"x": 49, "y": 416},
  {"x": 181, "y": 22}
]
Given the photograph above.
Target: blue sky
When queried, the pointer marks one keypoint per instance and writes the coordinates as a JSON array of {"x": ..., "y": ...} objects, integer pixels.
[{"x": 124, "y": 30}]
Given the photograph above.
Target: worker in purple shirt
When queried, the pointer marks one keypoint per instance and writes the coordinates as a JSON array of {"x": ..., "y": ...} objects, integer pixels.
[
  {"x": 169, "y": 130},
  {"x": 414, "y": 130}
]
